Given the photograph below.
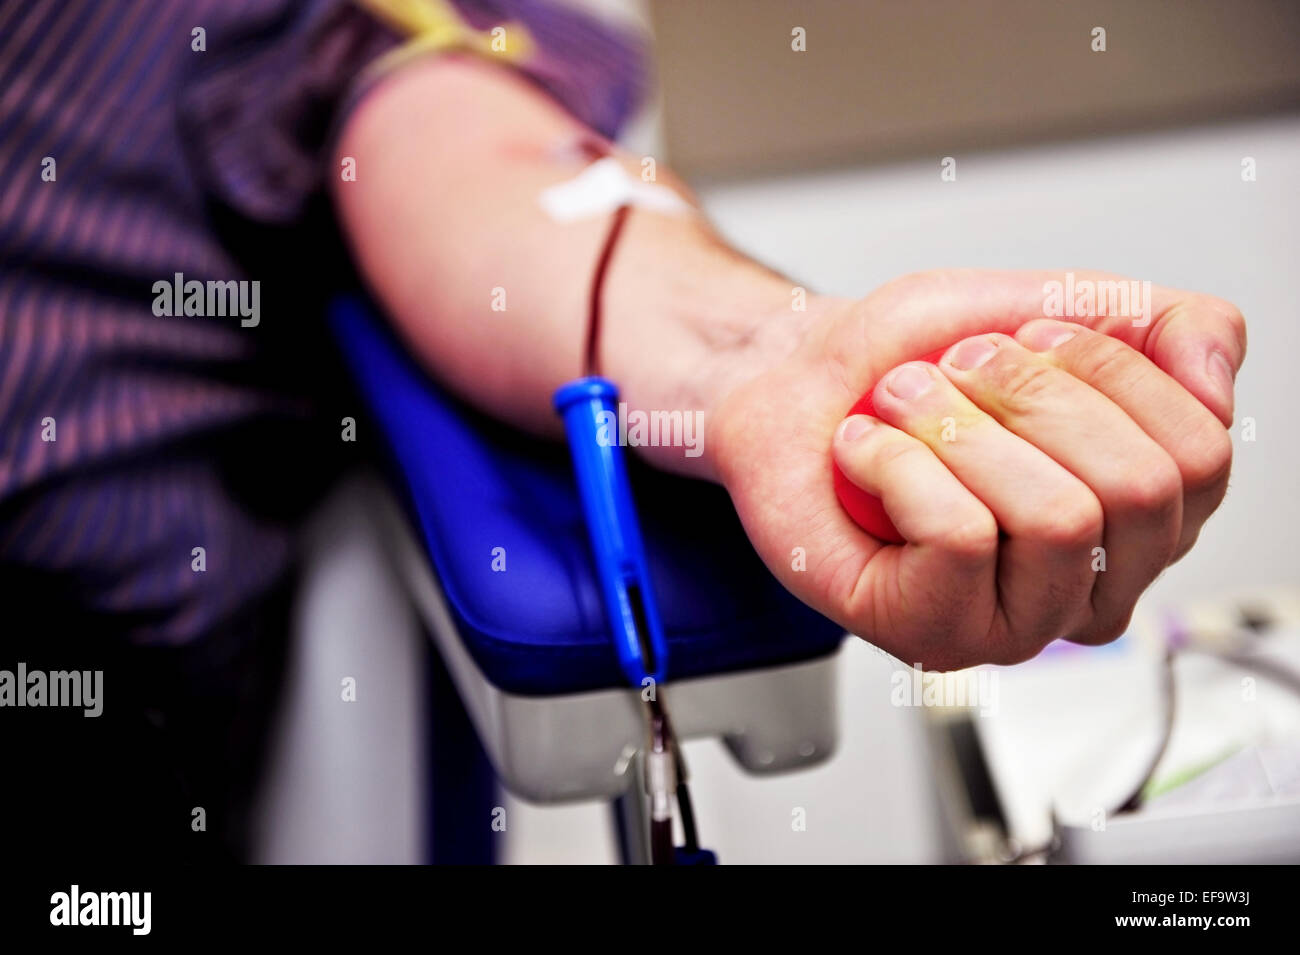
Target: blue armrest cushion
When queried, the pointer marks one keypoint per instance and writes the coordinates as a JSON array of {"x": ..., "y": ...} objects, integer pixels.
[{"x": 537, "y": 627}]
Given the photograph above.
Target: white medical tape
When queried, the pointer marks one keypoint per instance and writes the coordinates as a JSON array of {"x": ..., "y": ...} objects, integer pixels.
[{"x": 601, "y": 188}]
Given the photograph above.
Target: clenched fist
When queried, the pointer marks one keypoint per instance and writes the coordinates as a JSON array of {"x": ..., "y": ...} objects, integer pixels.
[{"x": 1042, "y": 473}]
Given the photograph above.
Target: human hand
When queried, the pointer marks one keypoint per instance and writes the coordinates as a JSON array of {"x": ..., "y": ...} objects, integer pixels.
[{"x": 1019, "y": 467}]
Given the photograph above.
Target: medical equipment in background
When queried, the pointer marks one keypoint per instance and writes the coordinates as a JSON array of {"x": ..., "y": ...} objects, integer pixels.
[
  {"x": 1219, "y": 814},
  {"x": 1183, "y": 768}
]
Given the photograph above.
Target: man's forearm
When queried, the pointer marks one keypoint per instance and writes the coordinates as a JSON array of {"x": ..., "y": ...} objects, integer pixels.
[{"x": 492, "y": 293}]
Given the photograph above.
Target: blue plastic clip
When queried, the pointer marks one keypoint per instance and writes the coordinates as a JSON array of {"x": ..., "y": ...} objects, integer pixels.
[{"x": 589, "y": 407}]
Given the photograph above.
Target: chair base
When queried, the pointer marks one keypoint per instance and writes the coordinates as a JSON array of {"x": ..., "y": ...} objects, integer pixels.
[{"x": 578, "y": 746}]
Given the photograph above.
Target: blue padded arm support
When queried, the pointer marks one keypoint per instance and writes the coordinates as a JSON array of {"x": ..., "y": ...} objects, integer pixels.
[{"x": 500, "y": 516}]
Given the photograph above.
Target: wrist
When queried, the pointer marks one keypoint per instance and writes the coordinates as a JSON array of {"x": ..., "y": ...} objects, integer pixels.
[{"x": 688, "y": 321}]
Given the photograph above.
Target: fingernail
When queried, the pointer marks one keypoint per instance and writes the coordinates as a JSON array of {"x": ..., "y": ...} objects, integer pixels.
[
  {"x": 908, "y": 382},
  {"x": 855, "y": 427},
  {"x": 1044, "y": 336},
  {"x": 1220, "y": 372},
  {"x": 971, "y": 353}
]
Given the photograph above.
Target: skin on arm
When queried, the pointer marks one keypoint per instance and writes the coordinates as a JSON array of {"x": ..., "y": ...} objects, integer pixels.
[
  {"x": 453, "y": 154},
  {"x": 1112, "y": 437}
]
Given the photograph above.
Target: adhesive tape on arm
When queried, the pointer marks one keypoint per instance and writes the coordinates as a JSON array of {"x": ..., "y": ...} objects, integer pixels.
[{"x": 601, "y": 188}]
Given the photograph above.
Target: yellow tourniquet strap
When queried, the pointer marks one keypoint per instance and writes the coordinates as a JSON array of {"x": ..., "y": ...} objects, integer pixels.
[{"x": 435, "y": 26}]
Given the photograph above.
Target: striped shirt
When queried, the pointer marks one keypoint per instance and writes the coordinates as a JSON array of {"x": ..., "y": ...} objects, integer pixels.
[{"x": 142, "y": 142}]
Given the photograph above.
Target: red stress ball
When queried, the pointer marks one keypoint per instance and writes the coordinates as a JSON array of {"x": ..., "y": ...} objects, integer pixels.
[{"x": 866, "y": 509}]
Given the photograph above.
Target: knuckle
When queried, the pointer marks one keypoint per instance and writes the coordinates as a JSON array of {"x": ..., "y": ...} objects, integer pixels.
[
  {"x": 1021, "y": 384},
  {"x": 1206, "y": 468},
  {"x": 1101, "y": 632},
  {"x": 1073, "y": 525},
  {"x": 1009, "y": 643},
  {"x": 1106, "y": 359},
  {"x": 1190, "y": 537},
  {"x": 1229, "y": 315},
  {"x": 1013, "y": 653},
  {"x": 974, "y": 539},
  {"x": 887, "y": 449},
  {"x": 1158, "y": 486}
]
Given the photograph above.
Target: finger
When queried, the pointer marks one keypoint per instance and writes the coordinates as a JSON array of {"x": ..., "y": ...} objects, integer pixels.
[
  {"x": 1200, "y": 341},
  {"x": 921, "y": 496},
  {"x": 1051, "y": 519},
  {"x": 1136, "y": 481},
  {"x": 1197, "y": 339},
  {"x": 1190, "y": 434},
  {"x": 940, "y": 586}
]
